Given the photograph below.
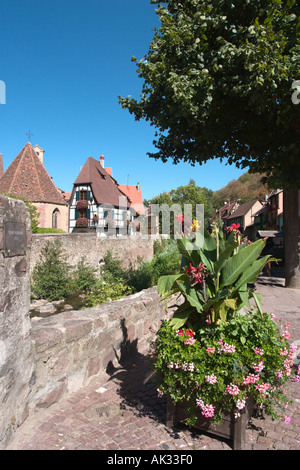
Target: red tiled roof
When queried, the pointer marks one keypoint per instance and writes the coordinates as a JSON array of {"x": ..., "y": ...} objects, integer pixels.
[
  {"x": 104, "y": 187},
  {"x": 26, "y": 176},
  {"x": 135, "y": 195}
]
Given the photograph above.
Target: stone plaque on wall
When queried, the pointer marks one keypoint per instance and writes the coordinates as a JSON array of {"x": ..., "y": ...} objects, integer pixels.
[{"x": 15, "y": 238}]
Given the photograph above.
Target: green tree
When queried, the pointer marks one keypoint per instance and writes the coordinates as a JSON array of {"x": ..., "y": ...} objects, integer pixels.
[
  {"x": 189, "y": 194},
  {"x": 219, "y": 79},
  {"x": 51, "y": 278}
]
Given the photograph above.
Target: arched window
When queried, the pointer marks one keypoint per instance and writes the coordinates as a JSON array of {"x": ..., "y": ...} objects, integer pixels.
[{"x": 55, "y": 215}]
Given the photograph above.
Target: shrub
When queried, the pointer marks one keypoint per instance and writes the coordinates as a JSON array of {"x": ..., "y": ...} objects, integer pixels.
[
  {"x": 84, "y": 277},
  {"x": 112, "y": 270},
  {"x": 103, "y": 291},
  {"x": 166, "y": 261},
  {"x": 51, "y": 275}
]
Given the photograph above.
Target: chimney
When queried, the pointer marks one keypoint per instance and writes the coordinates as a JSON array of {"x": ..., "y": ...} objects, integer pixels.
[
  {"x": 102, "y": 160},
  {"x": 1, "y": 165},
  {"x": 40, "y": 153}
]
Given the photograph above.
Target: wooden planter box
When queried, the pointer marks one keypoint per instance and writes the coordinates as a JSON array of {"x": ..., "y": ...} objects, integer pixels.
[{"x": 231, "y": 428}]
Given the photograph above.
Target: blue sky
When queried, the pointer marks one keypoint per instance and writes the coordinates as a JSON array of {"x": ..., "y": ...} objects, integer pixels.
[{"x": 64, "y": 64}]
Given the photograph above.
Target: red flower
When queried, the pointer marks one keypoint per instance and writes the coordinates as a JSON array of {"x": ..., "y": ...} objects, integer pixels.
[
  {"x": 232, "y": 227},
  {"x": 197, "y": 274},
  {"x": 186, "y": 333}
]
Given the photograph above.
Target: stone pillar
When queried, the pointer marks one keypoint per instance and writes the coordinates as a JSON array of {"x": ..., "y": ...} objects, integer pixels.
[{"x": 16, "y": 354}]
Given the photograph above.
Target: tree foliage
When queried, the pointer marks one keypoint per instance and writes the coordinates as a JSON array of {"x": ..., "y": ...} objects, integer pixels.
[
  {"x": 188, "y": 194},
  {"x": 245, "y": 189},
  {"x": 218, "y": 83}
]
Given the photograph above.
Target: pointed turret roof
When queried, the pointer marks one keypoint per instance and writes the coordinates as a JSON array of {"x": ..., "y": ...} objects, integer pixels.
[{"x": 26, "y": 176}]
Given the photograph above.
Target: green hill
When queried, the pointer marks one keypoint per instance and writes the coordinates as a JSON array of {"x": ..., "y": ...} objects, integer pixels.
[{"x": 246, "y": 188}]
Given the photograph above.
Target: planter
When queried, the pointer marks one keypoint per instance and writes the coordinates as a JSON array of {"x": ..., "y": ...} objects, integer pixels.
[{"x": 231, "y": 428}]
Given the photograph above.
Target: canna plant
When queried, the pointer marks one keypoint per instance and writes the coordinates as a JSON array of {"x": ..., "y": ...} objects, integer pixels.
[{"x": 219, "y": 269}]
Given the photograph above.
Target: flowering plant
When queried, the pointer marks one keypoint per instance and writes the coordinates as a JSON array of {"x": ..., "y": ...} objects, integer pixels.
[
  {"x": 211, "y": 354},
  {"x": 214, "y": 372},
  {"x": 82, "y": 222},
  {"x": 82, "y": 204}
]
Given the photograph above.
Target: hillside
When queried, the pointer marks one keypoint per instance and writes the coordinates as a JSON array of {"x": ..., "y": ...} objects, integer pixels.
[{"x": 246, "y": 188}]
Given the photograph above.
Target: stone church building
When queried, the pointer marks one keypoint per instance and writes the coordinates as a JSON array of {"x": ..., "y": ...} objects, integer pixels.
[{"x": 27, "y": 176}]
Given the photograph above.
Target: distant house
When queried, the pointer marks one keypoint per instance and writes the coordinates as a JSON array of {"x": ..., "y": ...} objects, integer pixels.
[
  {"x": 269, "y": 219},
  {"x": 244, "y": 215},
  {"x": 98, "y": 201},
  {"x": 27, "y": 176},
  {"x": 227, "y": 210}
]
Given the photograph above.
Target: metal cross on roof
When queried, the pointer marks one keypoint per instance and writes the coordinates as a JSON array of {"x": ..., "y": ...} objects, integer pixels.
[{"x": 29, "y": 134}]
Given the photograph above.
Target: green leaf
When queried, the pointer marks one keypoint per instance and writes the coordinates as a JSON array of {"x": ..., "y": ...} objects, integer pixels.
[
  {"x": 225, "y": 256},
  {"x": 250, "y": 275},
  {"x": 165, "y": 283},
  {"x": 231, "y": 303},
  {"x": 181, "y": 316},
  {"x": 190, "y": 293},
  {"x": 241, "y": 262},
  {"x": 257, "y": 298}
]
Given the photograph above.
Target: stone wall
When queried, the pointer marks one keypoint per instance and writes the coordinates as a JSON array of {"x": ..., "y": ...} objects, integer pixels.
[
  {"x": 45, "y": 359},
  {"x": 93, "y": 248},
  {"x": 16, "y": 355},
  {"x": 72, "y": 347}
]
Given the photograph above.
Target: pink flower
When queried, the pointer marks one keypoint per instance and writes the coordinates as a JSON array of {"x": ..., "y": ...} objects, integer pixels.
[
  {"x": 210, "y": 350},
  {"x": 207, "y": 410},
  {"x": 259, "y": 351},
  {"x": 232, "y": 389},
  {"x": 287, "y": 420},
  {"x": 251, "y": 379},
  {"x": 240, "y": 404},
  {"x": 189, "y": 341},
  {"x": 258, "y": 367},
  {"x": 227, "y": 348},
  {"x": 211, "y": 379},
  {"x": 284, "y": 352},
  {"x": 262, "y": 388}
]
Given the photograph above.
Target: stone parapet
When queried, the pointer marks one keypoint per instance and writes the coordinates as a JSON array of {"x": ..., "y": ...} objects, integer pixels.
[
  {"x": 16, "y": 359},
  {"x": 72, "y": 347}
]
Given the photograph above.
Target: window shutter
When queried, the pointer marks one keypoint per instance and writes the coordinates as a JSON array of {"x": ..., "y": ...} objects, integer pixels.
[
  {"x": 77, "y": 195},
  {"x": 88, "y": 213},
  {"x": 76, "y": 214},
  {"x": 88, "y": 197}
]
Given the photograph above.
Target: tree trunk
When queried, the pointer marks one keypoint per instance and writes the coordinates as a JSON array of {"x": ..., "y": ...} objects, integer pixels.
[{"x": 291, "y": 211}]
